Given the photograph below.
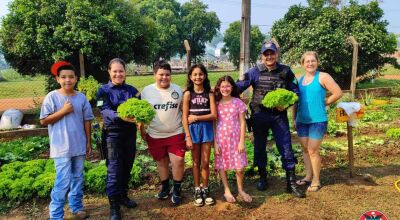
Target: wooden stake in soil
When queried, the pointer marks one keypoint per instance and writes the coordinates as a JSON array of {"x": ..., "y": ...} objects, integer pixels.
[
  {"x": 187, "y": 48},
  {"x": 354, "y": 43},
  {"x": 82, "y": 64},
  {"x": 350, "y": 148}
]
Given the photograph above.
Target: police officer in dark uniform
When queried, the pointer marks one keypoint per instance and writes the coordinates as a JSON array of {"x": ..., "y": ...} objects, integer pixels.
[
  {"x": 120, "y": 137},
  {"x": 266, "y": 77}
]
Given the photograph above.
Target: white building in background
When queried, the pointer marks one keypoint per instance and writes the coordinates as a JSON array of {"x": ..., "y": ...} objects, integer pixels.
[{"x": 217, "y": 52}]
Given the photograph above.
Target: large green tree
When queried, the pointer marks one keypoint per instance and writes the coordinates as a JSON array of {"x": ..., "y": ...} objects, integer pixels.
[
  {"x": 168, "y": 25},
  {"x": 199, "y": 26},
  {"x": 325, "y": 29},
  {"x": 35, "y": 33},
  {"x": 232, "y": 42}
]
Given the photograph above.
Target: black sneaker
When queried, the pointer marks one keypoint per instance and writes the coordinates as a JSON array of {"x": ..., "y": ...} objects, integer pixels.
[
  {"x": 208, "y": 199},
  {"x": 198, "y": 198},
  {"x": 176, "y": 198},
  {"x": 164, "y": 193}
]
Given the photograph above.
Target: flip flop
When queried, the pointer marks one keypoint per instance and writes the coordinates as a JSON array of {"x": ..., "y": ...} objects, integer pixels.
[
  {"x": 230, "y": 198},
  {"x": 303, "y": 182},
  {"x": 314, "y": 188}
]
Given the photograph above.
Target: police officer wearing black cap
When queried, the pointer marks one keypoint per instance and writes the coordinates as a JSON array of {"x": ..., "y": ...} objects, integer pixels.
[
  {"x": 263, "y": 78},
  {"x": 120, "y": 137}
]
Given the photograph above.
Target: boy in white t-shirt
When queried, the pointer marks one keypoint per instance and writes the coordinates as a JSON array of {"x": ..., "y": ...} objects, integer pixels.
[{"x": 165, "y": 136}]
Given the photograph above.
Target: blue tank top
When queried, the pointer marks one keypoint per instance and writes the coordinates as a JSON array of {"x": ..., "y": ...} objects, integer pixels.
[{"x": 311, "y": 106}]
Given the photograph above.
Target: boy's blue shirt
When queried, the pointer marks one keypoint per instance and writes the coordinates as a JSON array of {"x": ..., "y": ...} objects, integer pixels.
[{"x": 67, "y": 135}]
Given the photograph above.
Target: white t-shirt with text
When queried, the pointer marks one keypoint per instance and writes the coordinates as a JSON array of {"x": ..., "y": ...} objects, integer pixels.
[{"x": 167, "y": 104}]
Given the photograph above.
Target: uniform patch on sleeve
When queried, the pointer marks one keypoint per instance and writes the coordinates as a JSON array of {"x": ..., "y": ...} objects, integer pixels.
[
  {"x": 99, "y": 103},
  {"x": 295, "y": 81}
]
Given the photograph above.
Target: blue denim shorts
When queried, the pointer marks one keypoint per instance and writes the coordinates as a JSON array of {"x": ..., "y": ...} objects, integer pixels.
[
  {"x": 313, "y": 130},
  {"x": 201, "y": 132}
]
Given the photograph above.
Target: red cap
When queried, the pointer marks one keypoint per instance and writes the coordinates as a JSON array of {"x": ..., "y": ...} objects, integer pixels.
[{"x": 54, "y": 68}]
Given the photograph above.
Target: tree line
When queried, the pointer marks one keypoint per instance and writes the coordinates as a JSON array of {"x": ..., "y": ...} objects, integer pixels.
[{"x": 34, "y": 34}]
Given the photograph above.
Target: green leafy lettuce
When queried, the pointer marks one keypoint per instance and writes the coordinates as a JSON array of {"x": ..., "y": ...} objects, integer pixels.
[
  {"x": 279, "y": 98},
  {"x": 141, "y": 110}
]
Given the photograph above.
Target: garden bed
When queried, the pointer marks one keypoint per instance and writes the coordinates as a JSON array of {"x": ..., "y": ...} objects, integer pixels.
[{"x": 13, "y": 134}]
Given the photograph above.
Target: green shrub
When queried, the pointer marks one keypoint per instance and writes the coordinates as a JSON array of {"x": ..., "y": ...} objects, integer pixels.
[
  {"x": 89, "y": 87},
  {"x": 393, "y": 133},
  {"x": 21, "y": 189},
  {"x": 44, "y": 183},
  {"x": 95, "y": 178},
  {"x": 279, "y": 98},
  {"x": 332, "y": 127}
]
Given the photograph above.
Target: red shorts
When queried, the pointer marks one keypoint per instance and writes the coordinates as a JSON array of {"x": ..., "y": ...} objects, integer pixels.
[{"x": 160, "y": 147}]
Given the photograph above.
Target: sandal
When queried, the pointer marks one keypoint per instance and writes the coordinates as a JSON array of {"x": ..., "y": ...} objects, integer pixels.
[
  {"x": 303, "y": 182},
  {"x": 314, "y": 188},
  {"x": 230, "y": 198}
]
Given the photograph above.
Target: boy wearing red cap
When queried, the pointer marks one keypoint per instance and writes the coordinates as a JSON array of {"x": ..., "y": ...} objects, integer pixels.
[{"x": 68, "y": 115}]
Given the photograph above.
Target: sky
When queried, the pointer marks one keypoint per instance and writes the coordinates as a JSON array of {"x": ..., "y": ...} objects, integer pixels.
[{"x": 265, "y": 13}]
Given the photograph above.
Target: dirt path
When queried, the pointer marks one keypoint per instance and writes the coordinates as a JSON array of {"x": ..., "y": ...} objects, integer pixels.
[
  {"x": 18, "y": 103},
  {"x": 391, "y": 76}
]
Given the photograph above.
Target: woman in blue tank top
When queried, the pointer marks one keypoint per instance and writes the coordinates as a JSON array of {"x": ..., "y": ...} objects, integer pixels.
[{"x": 312, "y": 119}]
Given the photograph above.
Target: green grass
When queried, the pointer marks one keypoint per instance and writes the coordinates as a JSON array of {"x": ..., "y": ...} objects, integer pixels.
[
  {"x": 22, "y": 89},
  {"x": 379, "y": 83},
  {"x": 180, "y": 79},
  {"x": 389, "y": 69}
]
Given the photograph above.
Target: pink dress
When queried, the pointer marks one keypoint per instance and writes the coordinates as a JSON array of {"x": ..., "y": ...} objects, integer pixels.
[{"x": 228, "y": 136}]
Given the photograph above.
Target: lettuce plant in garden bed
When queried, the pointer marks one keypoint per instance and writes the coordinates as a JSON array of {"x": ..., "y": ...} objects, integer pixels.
[
  {"x": 23, "y": 149},
  {"x": 393, "y": 133},
  {"x": 24, "y": 180}
]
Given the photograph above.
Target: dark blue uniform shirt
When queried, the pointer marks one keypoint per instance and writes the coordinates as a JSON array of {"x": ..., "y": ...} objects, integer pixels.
[
  {"x": 109, "y": 97},
  {"x": 251, "y": 77}
]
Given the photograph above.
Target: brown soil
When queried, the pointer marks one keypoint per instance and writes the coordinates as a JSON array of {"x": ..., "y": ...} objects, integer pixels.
[{"x": 341, "y": 197}]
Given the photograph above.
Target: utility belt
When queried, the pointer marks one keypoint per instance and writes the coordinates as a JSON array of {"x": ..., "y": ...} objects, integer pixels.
[
  {"x": 256, "y": 108},
  {"x": 105, "y": 132}
]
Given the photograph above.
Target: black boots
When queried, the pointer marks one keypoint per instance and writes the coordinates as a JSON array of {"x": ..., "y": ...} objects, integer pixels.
[
  {"x": 292, "y": 186},
  {"x": 115, "y": 213},
  {"x": 125, "y": 201},
  {"x": 262, "y": 184}
]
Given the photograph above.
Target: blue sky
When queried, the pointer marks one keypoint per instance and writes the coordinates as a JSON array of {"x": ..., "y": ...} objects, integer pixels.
[{"x": 265, "y": 12}]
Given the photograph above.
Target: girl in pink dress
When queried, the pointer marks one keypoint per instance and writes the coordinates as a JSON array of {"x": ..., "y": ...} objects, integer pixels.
[{"x": 230, "y": 150}]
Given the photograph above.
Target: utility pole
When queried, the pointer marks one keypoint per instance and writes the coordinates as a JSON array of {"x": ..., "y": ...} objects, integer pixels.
[{"x": 245, "y": 38}]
